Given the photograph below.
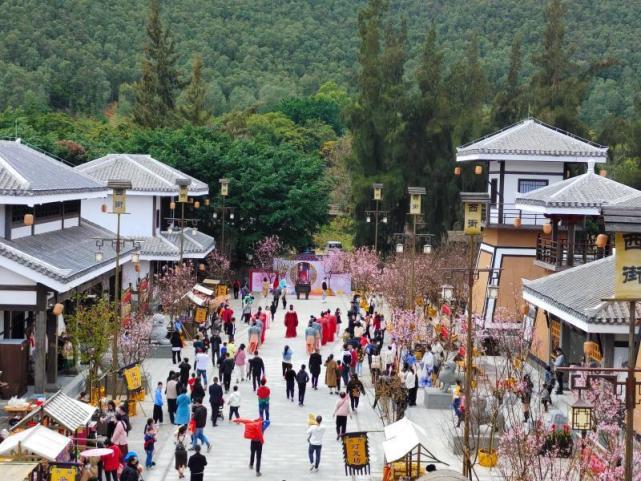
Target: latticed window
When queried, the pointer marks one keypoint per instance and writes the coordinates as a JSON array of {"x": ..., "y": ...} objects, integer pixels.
[{"x": 528, "y": 185}]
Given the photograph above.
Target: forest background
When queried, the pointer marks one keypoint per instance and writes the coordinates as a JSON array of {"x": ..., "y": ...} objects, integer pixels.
[{"x": 303, "y": 104}]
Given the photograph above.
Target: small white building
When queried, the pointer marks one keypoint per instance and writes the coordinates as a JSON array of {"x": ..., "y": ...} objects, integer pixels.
[{"x": 149, "y": 203}]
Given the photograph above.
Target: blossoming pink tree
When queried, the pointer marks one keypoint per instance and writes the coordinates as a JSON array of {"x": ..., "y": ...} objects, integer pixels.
[
  {"x": 265, "y": 251},
  {"x": 171, "y": 286},
  {"x": 363, "y": 266},
  {"x": 334, "y": 262},
  {"x": 134, "y": 340},
  {"x": 217, "y": 266}
]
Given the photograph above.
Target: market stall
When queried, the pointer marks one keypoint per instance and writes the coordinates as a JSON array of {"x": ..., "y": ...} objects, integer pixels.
[
  {"x": 443, "y": 475},
  {"x": 66, "y": 415},
  {"x": 406, "y": 452},
  {"x": 36, "y": 444},
  {"x": 18, "y": 471}
]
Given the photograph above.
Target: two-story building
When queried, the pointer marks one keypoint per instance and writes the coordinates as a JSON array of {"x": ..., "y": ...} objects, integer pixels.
[
  {"x": 151, "y": 206},
  {"x": 47, "y": 253}
]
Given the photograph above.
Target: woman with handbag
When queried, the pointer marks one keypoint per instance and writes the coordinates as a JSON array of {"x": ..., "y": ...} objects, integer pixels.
[{"x": 180, "y": 453}]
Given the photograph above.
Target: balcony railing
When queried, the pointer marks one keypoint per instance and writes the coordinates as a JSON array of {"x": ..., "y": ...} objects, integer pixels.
[
  {"x": 509, "y": 213},
  {"x": 556, "y": 254}
]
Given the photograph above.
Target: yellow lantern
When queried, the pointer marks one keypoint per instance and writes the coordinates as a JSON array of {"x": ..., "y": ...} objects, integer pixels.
[
  {"x": 547, "y": 228},
  {"x": 118, "y": 196},
  {"x": 28, "y": 219},
  {"x": 478, "y": 170},
  {"x": 57, "y": 309},
  {"x": 601, "y": 241},
  {"x": 378, "y": 191},
  {"x": 183, "y": 189},
  {"x": 457, "y": 171},
  {"x": 415, "y": 199}
]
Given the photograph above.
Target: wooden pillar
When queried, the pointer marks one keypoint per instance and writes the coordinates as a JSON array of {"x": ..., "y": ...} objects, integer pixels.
[
  {"x": 570, "y": 260},
  {"x": 558, "y": 254},
  {"x": 40, "y": 359}
]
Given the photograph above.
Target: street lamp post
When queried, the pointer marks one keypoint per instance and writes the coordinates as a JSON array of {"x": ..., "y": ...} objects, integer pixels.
[
  {"x": 377, "y": 213},
  {"x": 119, "y": 192},
  {"x": 224, "y": 192}
]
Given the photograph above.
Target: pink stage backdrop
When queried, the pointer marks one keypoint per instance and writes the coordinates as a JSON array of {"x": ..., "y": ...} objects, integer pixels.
[{"x": 339, "y": 283}]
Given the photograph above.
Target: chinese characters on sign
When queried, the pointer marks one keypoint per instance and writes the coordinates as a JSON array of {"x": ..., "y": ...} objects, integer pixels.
[
  {"x": 201, "y": 315},
  {"x": 57, "y": 473},
  {"x": 133, "y": 377},
  {"x": 356, "y": 453},
  {"x": 473, "y": 218},
  {"x": 118, "y": 206},
  {"x": 627, "y": 266}
]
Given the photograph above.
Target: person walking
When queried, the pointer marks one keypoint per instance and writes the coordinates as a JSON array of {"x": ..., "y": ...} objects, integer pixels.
[
  {"x": 254, "y": 431},
  {"x": 526, "y": 396},
  {"x": 291, "y": 322},
  {"x": 411, "y": 384},
  {"x": 339, "y": 375},
  {"x": 263, "y": 394},
  {"x": 182, "y": 408},
  {"x": 240, "y": 363},
  {"x": 196, "y": 465},
  {"x": 111, "y": 462},
  {"x": 256, "y": 370},
  {"x": 287, "y": 358},
  {"x": 324, "y": 289},
  {"x": 265, "y": 288},
  {"x": 228, "y": 367},
  {"x": 199, "y": 415},
  {"x": 149, "y": 442},
  {"x": 355, "y": 388},
  {"x": 197, "y": 391},
  {"x": 185, "y": 368},
  {"x": 171, "y": 393},
  {"x": 109, "y": 418},
  {"x": 176, "y": 347},
  {"x": 559, "y": 362},
  {"x": 330, "y": 373},
  {"x": 215, "y": 341},
  {"x": 158, "y": 404},
  {"x": 234, "y": 403},
  {"x": 215, "y": 401},
  {"x": 376, "y": 365},
  {"x": 180, "y": 451},
  {"x": 130, "y": 471},
  {"x": 201, "y": 364},
  {"x": 315, "y": 363},
  {"x": 341, "y": 412},
  {"x": 315, "y": 435},
  {"x": 119, "y": 437},
  {"x": 236, "y": 287},
  {"x": 290, "y": 382},
  {"x": 302, "y": 378}
]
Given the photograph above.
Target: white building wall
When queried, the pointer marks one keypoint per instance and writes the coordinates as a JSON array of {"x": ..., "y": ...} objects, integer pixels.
[
  {"x": 129, "y": 274},
  {"x": 138, "y": 221},
  {"x": 2, "y": 220},
  {"x": 8, "y": 277}
]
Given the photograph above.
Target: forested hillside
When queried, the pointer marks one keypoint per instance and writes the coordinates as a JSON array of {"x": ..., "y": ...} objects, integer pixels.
[{"x": 81, "y": 55}]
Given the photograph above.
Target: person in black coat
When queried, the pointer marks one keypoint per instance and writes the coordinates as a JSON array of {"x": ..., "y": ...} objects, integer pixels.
[
  {"x": 227, "y": 368},
  {"x": 215, "y": 400},
  {"x": 176, "y": 347},
  {"x": 256, "y": 369},
  {"x": 196, "y": 465},
  {"x": 315, "y": 363},
  {"x": 130, "y": 472},
  {"x": 185, "y": 369},
  {"x": 197, "y": 391},
  {"x": 215, "y": 343}
]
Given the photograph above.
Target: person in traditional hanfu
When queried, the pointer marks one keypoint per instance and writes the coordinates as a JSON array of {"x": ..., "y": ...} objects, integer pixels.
[
  {"x": 254, "y": 337},
  {"x": 310, "y": 337},
  {"x": 291, "y": 322},
  {"x": 319, "y": 333},
  {"x": 262, "y": 320},
  {"x": 324, "y": 322},
  {"x": 333, "y": 326}
]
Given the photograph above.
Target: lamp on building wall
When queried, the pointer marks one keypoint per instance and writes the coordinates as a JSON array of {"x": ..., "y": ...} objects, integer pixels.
[
  {"x": 457, "y": 171},
  {"x": 478, "y": 170},
  {"x": 135, "y": 257},
  {"x": 172, "y": 205},
  {"x": 58, "y": 309},
  {"x": 196, "y": 204},
  {"x": 427, "y": 248},
  {"x": 28, "y": 219},
  {"x": 517, "y": 222}
]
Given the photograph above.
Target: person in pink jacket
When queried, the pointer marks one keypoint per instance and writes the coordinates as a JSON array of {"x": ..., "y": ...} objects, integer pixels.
[
  {"x": 119, "y": 437},
  {"x": 341, "y": 411},
  {"x": 240, "y": 362}
]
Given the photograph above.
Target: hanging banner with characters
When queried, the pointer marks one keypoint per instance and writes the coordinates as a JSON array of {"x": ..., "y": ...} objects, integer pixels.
[
  {"x": 356, "y": 453},
  {"x": 627, "y": 270}
]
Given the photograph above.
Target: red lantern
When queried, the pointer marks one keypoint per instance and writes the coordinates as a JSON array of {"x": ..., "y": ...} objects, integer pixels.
[
  {"x": 103, "y": 208},
  {"x": 547, "y": 228},
  {"x": 201, "y": 267},
  {"x": 517, "y": 222},
  {"x": 137, "y": 267}
]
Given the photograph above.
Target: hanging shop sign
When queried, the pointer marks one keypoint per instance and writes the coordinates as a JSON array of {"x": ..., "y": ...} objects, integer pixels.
[
  {"x": 57, "y": 473},
  {"x": 627, "y": 283},
  {"x": 201, "y": 315},
  {"x": 473, "y": 218},
  {"x": 133, "y": 377},
  {"x": 356, "y": 453}
]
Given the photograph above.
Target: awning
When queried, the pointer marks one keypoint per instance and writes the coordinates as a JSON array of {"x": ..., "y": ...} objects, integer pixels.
[
  {"x": 203, "y": 290},
  {"x": 17, "y": 471},
  {"x": 401, "y": 438},
  {"x": 38, "y": 440},
  {"x": 195, "y": 299},
  {"x": 65, "y": 410}
]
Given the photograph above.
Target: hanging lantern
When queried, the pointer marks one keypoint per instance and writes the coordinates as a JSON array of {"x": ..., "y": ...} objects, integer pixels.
[
  {"x": 172, "y": 205},
  {"x": 478, "y": 170},
  {"x": 183, "y": 189},
  {"x": 28, "y": 219},
  {"x": 224, "y": 187},
  {"x": 517, "y": 222},
  {"x": 103, "y": 208},
  {"x": 457, "y": 171},
  {"x": 137, "y": 267},
  {"x": 378, "y": 191},
  {"x": 201, "y": 267},
  {"x": 196, "y": 205},
  {"x": 601, "y": 241},
  {"x": 547, "y": 228},
  {"x": 207, "y": 202},
  {"x": 524, "y": 309},
  {"x": 57, "y": 309}
]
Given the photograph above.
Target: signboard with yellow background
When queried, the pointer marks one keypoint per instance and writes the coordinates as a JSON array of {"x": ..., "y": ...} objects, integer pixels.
[
  {"x": 57, "y": 473},
  {"x": 133, "y": 377},
  {"x": 627, "y": 268},
  {"x": 473, "y": 218},
  {"x": 356, "y": 453}
]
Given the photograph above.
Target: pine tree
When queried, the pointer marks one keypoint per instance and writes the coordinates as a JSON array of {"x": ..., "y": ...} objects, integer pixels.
[
  {"x": 193, "y": 109},
  {"x": 508, "y": 103},
  {"x": 158, "y": 87}
]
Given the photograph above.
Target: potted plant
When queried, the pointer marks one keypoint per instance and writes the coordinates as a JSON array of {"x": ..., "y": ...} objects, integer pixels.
[{"x": 559, "y": 441}]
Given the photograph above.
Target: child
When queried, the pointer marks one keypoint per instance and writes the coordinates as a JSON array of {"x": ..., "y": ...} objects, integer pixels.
[
  {"x": 150, "y": 441},
  {"x": 234, "y": 403}
]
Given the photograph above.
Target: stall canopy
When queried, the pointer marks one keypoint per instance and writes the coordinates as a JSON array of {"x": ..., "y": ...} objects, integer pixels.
[
  {"x": 64, "y": 410},
  {"x": 200, "y": 295},
  {"x": 443, "y": 475},
  {"x": 38, "y": 440},
  {"x": 402, "y": 438},
  {"x": 17, "y": 471}
]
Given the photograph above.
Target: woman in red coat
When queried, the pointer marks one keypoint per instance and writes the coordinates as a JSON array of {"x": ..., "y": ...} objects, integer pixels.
[{"x": 291, "y": 322}]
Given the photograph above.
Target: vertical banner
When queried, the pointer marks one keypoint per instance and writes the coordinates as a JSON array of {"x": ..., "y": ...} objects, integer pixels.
[
  {"x": 201, "y": 315},
  {"x": 356, "y": 453},
  {"x": 473, "y": 218},
  {"x": 133, "y": 377},
  {"x": 627, "y": 270}
]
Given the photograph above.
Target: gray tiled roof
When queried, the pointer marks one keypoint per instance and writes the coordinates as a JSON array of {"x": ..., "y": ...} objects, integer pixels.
[
  {"x": 623, "y": 216},
  {"x": 62, "y": 255},
  {"x": 533, "y": 137},
  {"x": 580, "y": 291},
  {"x": 587, "y": 190},
  {"x": 24, "y": 171},
  {"x": 194, "y": 243},
  {"x": 145, "y": 173}
]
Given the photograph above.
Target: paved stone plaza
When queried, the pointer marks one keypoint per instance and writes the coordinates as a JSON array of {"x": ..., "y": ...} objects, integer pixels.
[{"x": 285, "y": 450}]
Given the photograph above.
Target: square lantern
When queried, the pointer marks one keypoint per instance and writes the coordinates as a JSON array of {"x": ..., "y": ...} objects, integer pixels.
[
  {"x": 492, "y": 291},
  {"x": 474, "y": 203},
  {"x": 399, "y": 248},
  {"x": 119, "y": 192},
  {"x": 416, "y": 194},
  {"x": 427, "y": 248},
  {"x": 183, "y": 189},
  {"x": 378, "y": 191},
  {"x": 447, "y": 292},
  {"x": 581, "y": 415},
  {"x": 224, "y": 187}
]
